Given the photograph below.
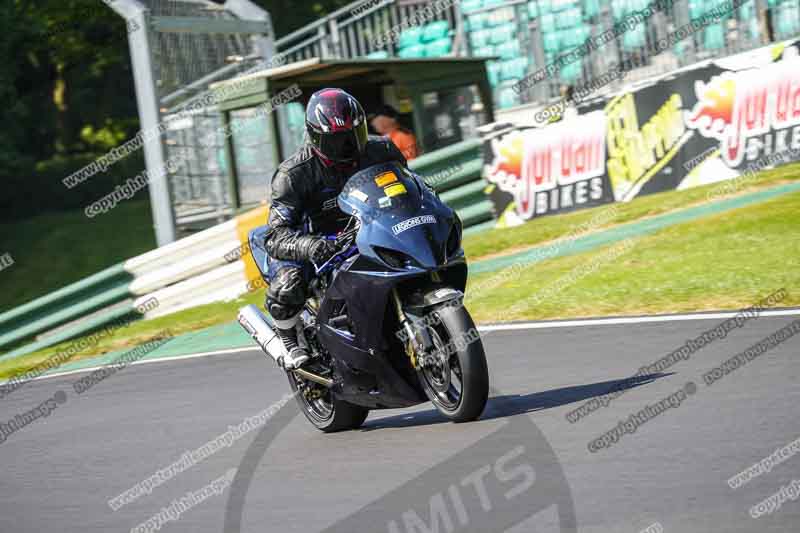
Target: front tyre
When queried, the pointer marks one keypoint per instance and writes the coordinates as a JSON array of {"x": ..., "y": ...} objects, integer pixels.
[
  {"x": 323, "y": 410},
  {"x": 454, "y": 376}
]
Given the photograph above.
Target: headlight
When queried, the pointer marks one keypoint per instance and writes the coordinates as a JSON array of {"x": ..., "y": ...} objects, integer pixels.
[{"x": 392, "y": 258}]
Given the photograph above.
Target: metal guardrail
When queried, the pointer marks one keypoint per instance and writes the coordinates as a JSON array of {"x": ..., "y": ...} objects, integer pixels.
[
  {"x": 455, "y": 172},
  {"x": 85, "y": 326},
  {"x": 103, "y": 289},
  {"x": 192, "y": 271}
]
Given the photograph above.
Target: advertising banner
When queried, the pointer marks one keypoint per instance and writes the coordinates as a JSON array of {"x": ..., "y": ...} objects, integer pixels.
[{"x": 708, "y": 124}]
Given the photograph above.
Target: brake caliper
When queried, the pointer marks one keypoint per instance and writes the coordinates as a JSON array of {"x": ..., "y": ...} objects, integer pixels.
[
  {"x": 412, "y": 354},
  {"x": 313, "y": 393}
]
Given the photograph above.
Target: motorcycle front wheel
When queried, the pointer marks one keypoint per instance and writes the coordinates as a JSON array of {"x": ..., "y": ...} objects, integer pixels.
[{"x": 455, "y": 377}]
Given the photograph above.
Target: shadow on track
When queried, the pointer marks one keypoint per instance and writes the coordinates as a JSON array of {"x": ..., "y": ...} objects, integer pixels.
[{"x": 516, "y": 404}]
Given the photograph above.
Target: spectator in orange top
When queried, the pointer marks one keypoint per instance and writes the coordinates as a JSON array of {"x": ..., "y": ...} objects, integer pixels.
[{"x": 384, "y": 122}]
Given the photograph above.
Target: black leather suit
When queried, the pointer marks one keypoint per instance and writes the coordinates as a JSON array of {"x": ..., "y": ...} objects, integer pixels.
[{"x": 304, "y": 193}]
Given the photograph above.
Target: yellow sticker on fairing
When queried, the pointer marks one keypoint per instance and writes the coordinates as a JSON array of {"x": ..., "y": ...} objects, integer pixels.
[
  {"x": 385, "y": 179},
  {"x": 395, "y": 190}
]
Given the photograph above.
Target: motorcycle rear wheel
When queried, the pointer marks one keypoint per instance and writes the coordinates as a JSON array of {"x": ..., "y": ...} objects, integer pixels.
[
  {"x": 459, "y": 386},
  {"x": 326, "y": 413}
]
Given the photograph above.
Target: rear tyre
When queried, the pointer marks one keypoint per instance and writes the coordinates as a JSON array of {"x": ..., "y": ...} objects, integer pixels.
[
  {"x": 458, "y": 385},
  {"x": 325, "y": 412}
]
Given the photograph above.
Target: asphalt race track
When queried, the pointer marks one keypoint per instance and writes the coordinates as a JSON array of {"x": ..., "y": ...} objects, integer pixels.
[{"x": 523, "y": 463}]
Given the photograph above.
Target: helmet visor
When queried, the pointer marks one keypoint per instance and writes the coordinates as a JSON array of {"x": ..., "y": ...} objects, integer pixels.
[{"x": 343, "y": 145}]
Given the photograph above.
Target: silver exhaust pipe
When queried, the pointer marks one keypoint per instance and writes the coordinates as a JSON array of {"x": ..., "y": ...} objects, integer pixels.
[{"x": 262, "y": 330}]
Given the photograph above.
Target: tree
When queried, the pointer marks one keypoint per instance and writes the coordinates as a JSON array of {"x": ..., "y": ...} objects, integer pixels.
[
  {"x": 290, "y": 15},
  {"x": 67, "y": 91}
]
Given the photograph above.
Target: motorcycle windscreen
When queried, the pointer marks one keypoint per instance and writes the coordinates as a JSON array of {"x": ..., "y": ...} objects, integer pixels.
[
  {"x": 398, "y": 212},
  {"x": 378, "y": 189}
]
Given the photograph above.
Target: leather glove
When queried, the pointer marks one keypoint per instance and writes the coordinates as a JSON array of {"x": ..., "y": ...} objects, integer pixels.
[{"x": 317, "y": 249}]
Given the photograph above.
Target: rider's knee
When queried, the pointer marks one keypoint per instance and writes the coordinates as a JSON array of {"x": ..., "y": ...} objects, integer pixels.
[{"x": 287, "y": 293}]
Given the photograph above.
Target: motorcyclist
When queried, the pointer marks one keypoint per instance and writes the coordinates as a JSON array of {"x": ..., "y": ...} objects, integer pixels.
[{"x": 304, "y": 208}]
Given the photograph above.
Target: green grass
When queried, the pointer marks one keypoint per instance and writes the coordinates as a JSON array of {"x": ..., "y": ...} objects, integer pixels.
[
  {"x": 726, "y": 261},
  {"x": 545, "y": 229},
  {"x": 55, "y": 249}
]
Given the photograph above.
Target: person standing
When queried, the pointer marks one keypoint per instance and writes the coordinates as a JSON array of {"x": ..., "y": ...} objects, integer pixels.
[{"x": 384, "y": 122}]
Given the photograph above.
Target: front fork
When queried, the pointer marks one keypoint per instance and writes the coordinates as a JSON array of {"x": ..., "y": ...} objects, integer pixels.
[{"x": 419, "y": 341}]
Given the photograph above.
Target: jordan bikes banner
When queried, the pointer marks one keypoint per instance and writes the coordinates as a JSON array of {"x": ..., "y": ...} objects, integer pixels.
[{"x": 716, "y": 122}]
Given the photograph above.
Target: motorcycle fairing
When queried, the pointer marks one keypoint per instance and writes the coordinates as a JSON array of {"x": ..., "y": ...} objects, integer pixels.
[{"x": 398, "y": 212}]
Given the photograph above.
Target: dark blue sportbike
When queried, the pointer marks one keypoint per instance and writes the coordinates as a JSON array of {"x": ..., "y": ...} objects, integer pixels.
[{"x": 386, "y": 323}]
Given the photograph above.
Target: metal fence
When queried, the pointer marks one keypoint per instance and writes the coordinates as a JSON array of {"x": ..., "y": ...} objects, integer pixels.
[
  {"x": 188, "y": 54},
  {"x": 199, "y": 185},
  {"x": 523, "y": 30},
  {"x": 353, "y": 30},
  {"x": 180, "y": 48}
]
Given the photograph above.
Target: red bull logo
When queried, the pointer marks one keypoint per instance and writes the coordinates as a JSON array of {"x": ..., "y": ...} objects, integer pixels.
[
  {"x": 551, "y": 168},
  {"x": 741, "y": 109}
]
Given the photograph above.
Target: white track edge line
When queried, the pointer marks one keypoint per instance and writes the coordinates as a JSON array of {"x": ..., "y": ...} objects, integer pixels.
[
  {"x": 497, "y": 327},
  {"x": 144, "y": 362},
  {"x": 629, "y": 320}
]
